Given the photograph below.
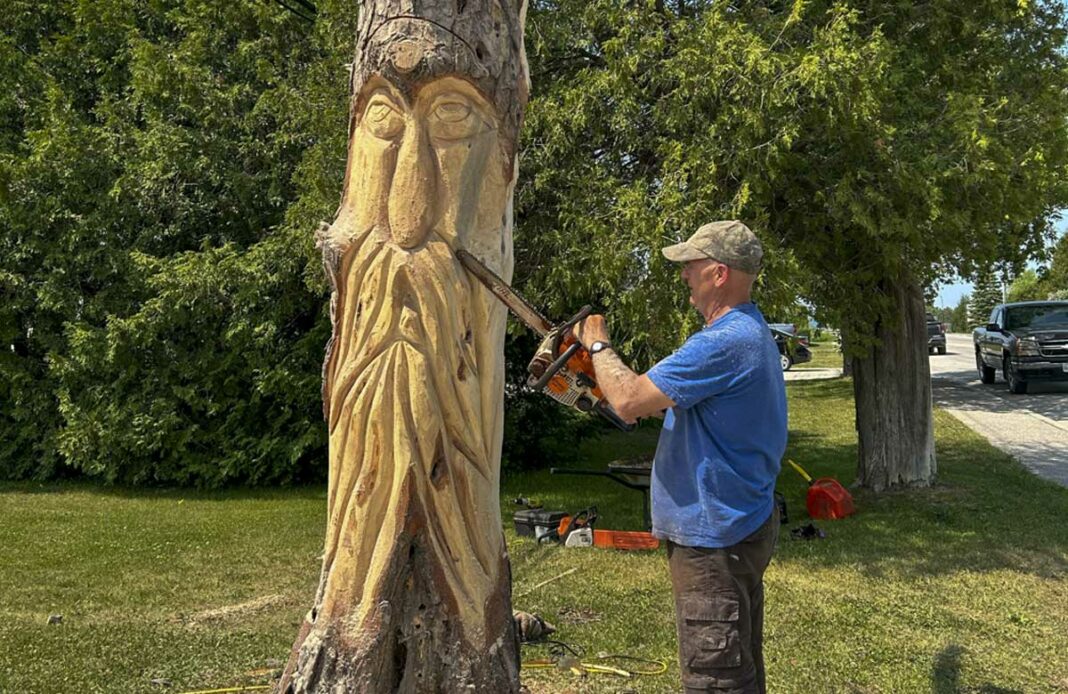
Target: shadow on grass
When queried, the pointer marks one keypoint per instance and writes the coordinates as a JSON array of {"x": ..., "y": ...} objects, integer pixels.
[
  {"x": 945, "y": 675},
  {"x": 1043, "y": 398},
  {"x": 984, "y": 513}
]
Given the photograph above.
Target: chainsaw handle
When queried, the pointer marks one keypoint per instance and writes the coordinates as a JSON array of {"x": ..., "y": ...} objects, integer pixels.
[
  {"x": 565, "y": 327},
  {"x": 605, "y": 410},
  {"x": 558, "y": 363},
  {"x": 586, "y": 517}
]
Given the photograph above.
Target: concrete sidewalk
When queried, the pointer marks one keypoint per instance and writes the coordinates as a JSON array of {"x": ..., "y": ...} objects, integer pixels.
[
  {"x": 1037, "y": 441},
  {"x": 803, "y": 374}
]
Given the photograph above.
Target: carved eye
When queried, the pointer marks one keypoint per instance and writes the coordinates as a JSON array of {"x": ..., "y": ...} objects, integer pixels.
[
  {"x": 383, "y": 120},
  {"x": 452, "y": 111},
  {"x": 453, "y": 118}
]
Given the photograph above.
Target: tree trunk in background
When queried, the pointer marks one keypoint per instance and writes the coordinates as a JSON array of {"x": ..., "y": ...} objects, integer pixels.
[
  {"x": 415, "y": 590},
  {"x": 892, "y": 387},
  {"x": 847, "y": 361}
]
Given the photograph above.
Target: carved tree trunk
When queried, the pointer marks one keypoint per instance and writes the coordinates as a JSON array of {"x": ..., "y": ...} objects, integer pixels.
[
  {"x": 892, "y": 387},
  {"x": 414, "y": 594}
]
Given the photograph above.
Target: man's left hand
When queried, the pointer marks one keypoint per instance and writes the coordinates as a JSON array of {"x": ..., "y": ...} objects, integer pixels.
[{"x": 591, "y": 329}]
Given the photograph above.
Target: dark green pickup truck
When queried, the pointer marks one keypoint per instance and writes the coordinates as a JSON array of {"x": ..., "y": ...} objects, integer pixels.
[
  {"x": 1027, "y": 341},
  {"x": 936, "y": 336}
]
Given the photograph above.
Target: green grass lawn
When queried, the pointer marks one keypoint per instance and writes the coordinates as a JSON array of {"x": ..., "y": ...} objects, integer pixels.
[
  {"x": 825, "y": 355},
  {"x": 959, "y": 588}
]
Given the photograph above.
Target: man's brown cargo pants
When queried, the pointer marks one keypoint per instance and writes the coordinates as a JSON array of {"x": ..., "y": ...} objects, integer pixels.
[{"x": 719, "y": 612}]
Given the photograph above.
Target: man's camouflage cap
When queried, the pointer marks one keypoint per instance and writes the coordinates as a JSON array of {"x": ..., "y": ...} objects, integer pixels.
[{"x": 729, "y": 242}]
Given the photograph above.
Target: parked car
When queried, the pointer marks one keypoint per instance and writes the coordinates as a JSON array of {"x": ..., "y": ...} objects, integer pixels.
[
  {"x": 793, "y": 349},
  {"x": 1027, "y": 340},
  {"x": 936, "y": 335}
]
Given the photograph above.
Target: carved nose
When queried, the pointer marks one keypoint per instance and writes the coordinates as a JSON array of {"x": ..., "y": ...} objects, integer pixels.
[{"x": 413, "y": 195}]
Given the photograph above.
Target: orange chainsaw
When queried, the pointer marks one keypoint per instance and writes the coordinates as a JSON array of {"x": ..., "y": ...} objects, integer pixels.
[{"x": 561, "y": 367}]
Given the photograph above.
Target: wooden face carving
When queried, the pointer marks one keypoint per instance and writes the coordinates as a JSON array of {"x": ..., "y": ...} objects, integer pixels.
[
  {"x": 427, "y": 165},
  {"x": 414, "y": 593},
  {"x": 414, "y": 378}
]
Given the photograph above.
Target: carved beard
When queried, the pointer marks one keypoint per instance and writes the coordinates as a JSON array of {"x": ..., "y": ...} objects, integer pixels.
[{"x": 414, "y": 421}]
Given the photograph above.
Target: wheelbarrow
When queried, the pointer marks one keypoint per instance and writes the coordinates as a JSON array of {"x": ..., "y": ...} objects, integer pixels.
[{"x": 632, "y": 473}]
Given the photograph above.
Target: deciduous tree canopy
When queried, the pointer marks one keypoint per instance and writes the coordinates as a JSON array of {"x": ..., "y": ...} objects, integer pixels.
[
  {"x": 163, "y": 167},
  {"x": 862, "y": 139},
  {"x": 1048, "y": 281}
]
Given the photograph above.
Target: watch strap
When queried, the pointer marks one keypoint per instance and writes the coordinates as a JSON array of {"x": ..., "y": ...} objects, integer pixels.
[{"x": 599, "y": 346}]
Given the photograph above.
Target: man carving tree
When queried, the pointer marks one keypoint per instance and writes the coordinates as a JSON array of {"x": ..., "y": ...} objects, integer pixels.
[
  {"x": 714, "y": 473},
  {"x": 415, "y": 588}
]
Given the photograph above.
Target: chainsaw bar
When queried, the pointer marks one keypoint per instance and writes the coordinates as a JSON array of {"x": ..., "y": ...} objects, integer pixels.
[{"x": 515, "y": 303}]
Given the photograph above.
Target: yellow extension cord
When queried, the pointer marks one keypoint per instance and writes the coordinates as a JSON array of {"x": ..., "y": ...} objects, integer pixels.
[
  {"x": 227, "y": 690},
  {"x": 577, "y": 667}
]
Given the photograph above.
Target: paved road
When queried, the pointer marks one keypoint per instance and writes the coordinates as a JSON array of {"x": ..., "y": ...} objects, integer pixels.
[{"x": 1032, "y": 427}]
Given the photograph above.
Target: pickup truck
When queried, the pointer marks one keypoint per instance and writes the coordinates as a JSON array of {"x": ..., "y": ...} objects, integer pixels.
[
  {"x": 936, "y": 335},
  {"x": 1027, "y": 341}
]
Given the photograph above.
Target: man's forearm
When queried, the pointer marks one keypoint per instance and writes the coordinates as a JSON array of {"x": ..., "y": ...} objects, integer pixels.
[
  {"x": 629, "y": 394},
  {"x": 618, "y": 383}
]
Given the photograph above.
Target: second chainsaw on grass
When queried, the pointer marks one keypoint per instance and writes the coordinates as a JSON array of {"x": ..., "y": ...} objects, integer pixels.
[{"x": 561, "y": 367}]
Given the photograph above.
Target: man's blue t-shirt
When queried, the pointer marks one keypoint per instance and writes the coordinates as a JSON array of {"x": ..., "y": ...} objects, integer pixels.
[{"x": 720, "y": 449}]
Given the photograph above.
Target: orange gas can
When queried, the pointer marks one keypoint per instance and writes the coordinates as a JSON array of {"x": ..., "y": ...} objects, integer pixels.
[{"x": 827, "y": 498}]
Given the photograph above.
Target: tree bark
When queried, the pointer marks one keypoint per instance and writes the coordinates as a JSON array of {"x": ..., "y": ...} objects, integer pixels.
[
  {"x": 414, "y": 594},
  {"x": 847, "y": 360},
  {"x": 892, "y": 388}
]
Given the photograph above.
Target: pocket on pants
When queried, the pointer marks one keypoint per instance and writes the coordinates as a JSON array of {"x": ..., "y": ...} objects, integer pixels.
[{"x": 711, "y": 639}]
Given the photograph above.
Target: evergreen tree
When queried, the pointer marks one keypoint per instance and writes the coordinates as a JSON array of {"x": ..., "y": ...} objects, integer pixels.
[
  {"x": 160, "y": 318},
  {"x": 958, "y": 322},
  {"x": 986, "y": 294}
]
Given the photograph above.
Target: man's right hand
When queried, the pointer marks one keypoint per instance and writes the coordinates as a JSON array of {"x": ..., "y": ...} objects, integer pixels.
[{"x": 591, "y": 329}]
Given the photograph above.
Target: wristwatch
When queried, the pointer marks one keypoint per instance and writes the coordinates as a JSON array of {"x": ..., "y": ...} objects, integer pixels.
[{"x": 598, "y": 346}]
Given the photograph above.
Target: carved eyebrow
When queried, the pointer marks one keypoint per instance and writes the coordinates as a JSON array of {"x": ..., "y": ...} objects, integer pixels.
[
  {"x": 453, "y": 97},
  {"x": 382, "y": 95}
]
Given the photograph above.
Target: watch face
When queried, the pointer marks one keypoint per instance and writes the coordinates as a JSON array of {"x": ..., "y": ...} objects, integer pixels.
[{"x": 597, "y": 347}]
